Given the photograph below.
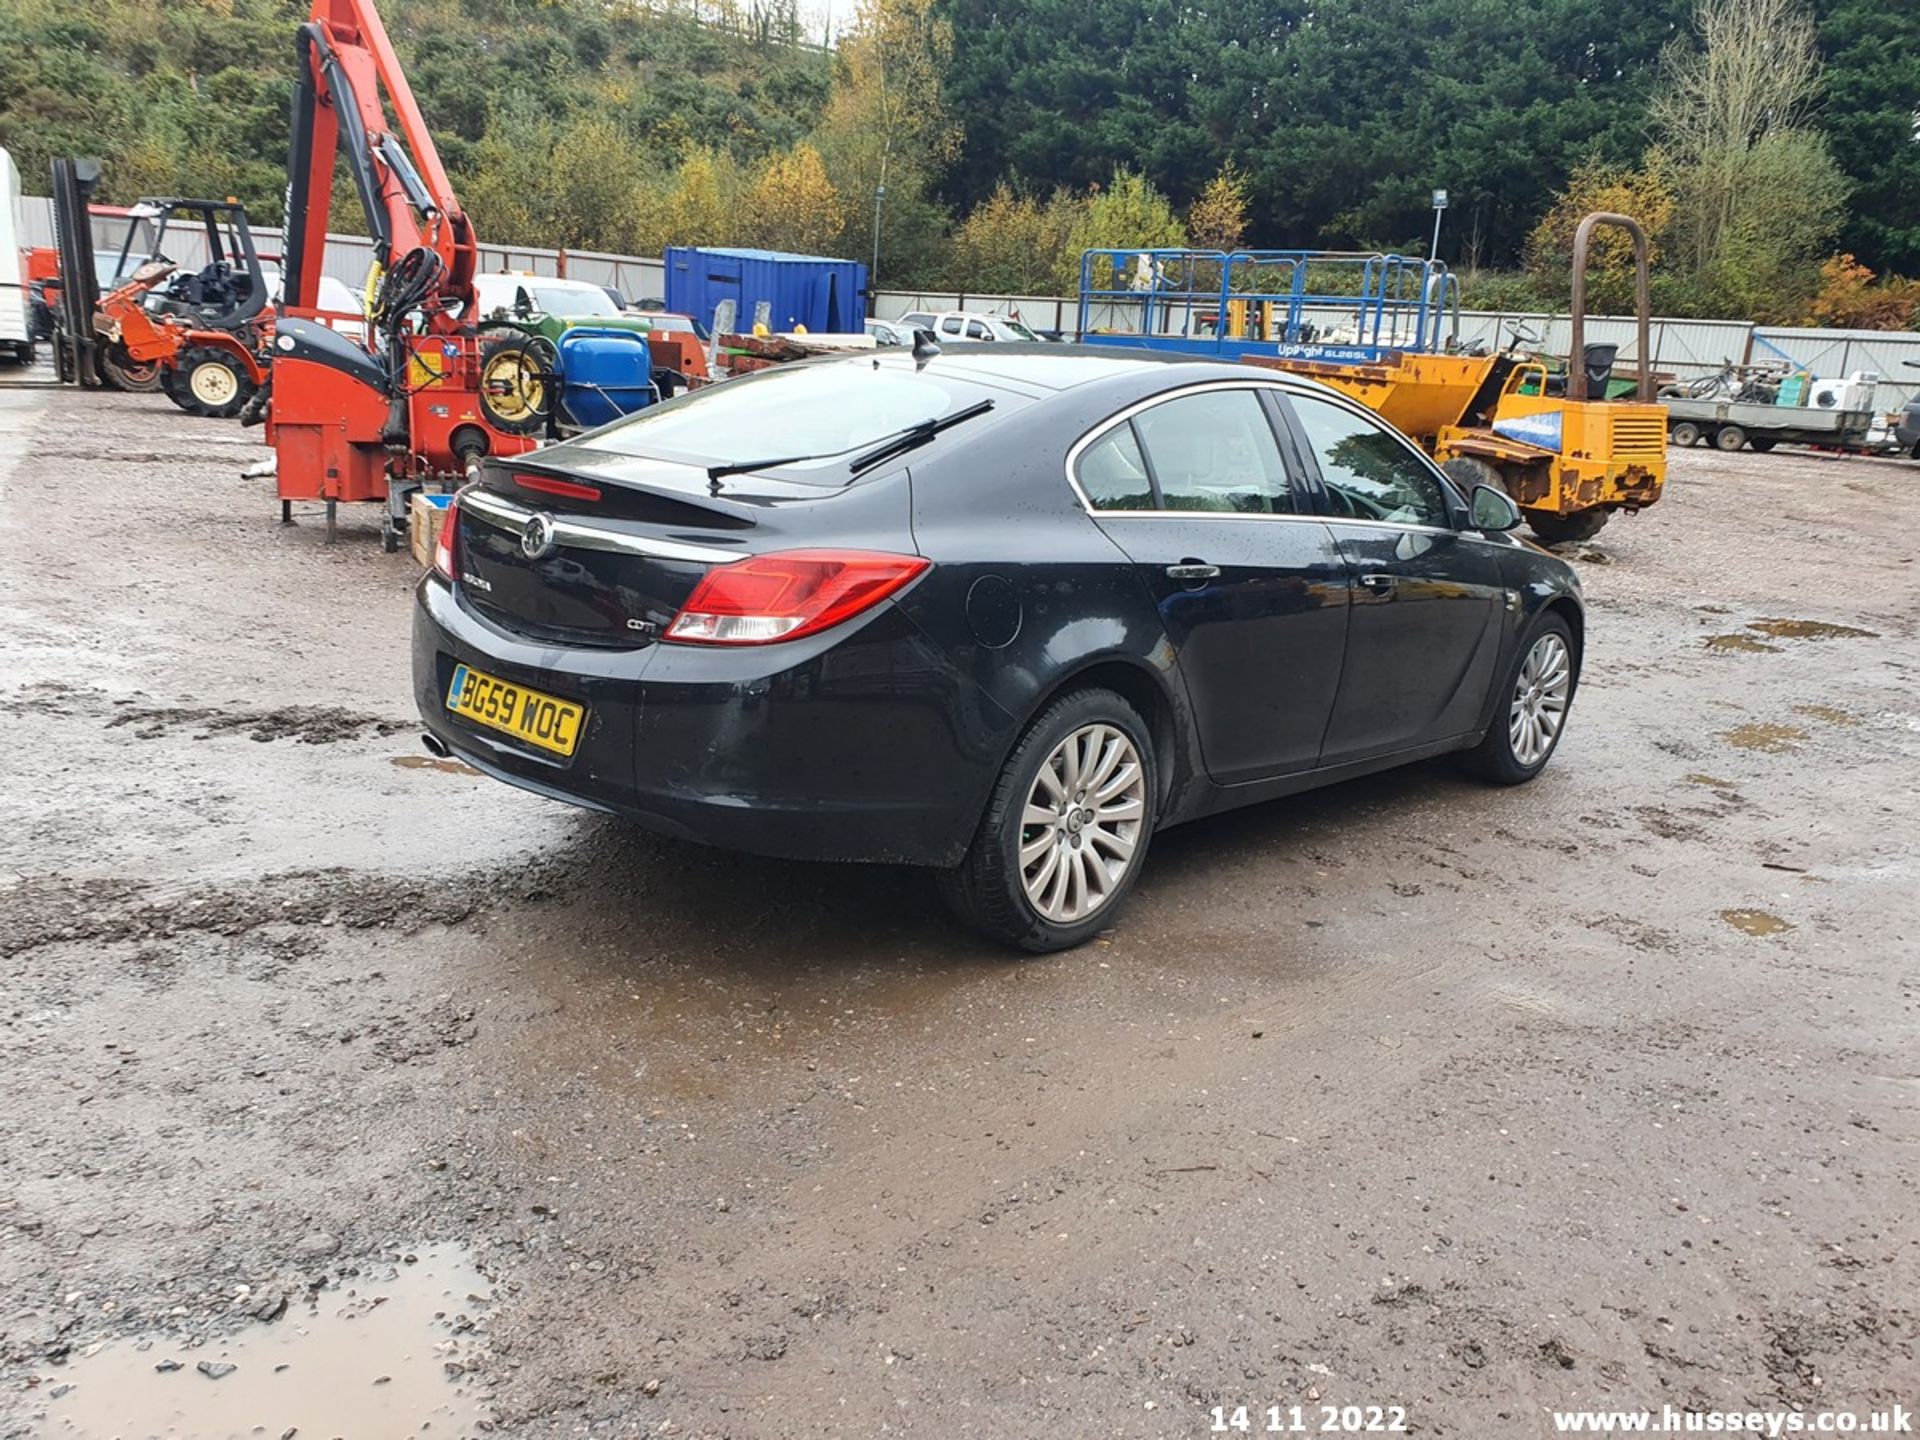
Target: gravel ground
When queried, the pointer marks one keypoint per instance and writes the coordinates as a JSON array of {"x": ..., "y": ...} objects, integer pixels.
[{"x": 1600, "y": 1092}]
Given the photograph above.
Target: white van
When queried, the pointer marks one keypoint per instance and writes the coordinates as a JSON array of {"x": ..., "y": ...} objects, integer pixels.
[{"x": 16, "y": 332}]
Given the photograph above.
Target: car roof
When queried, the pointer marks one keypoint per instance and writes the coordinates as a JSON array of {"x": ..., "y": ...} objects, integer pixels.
[
  {"x": 503, "y": 279},
  {"x": 1043, "y": 366}
]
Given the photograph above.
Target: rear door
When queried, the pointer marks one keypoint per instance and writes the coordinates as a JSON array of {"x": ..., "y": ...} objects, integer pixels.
[
  {"x": 1251, "y": 589},
  {"x": 1427, "y": 598}
]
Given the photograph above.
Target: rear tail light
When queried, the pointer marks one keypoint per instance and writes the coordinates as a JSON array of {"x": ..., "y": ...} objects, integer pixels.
[
  {"x": 553, "y": 485},
  {"x": 446, "y": 548},
  {"x": 788, "y": 594}
]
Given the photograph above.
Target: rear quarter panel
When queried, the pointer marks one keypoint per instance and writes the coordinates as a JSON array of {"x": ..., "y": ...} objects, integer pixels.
[{"x": 1026, "y": 591}]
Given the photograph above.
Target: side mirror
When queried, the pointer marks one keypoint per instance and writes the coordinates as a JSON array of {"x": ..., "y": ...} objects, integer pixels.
[{"x": 1491, "y": 509}]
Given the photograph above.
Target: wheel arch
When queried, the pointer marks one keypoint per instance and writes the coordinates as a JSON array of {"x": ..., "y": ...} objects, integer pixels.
[
  {"x": 1150, "y": 691},
  {"x": 1569, "y": 610}
]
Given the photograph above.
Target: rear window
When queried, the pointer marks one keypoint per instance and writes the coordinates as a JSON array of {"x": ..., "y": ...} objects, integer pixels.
[{"x": 827, "y": 413}]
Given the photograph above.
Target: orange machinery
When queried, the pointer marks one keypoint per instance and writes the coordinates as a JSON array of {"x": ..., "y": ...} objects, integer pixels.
[
  {"x": 365, "y": 424},
  {"x": 198, "y": 335}
]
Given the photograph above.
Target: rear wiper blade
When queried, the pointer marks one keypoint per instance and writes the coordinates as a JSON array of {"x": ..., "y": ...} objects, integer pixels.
[
  {"x": 916, "y": 435},
  {"x": 892, "y": 445},
  {"x": 740, "y": 467}
]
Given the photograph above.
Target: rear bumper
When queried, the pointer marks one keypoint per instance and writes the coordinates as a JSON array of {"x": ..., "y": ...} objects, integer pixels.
[{"x": 865, "y": 746}]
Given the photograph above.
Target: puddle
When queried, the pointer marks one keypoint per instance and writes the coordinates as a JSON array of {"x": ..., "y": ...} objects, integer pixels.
[
  {"x": 428, "y": 762},
  {"x": 1827, "y": 713},
  {"x": 1810, "y": 630},
  {"x": 1771, "y": 739},
  {"x": 1756, "y": 922},
  {"x": 380, "y": 1355},
  {"x": 1737, "y": 641}
]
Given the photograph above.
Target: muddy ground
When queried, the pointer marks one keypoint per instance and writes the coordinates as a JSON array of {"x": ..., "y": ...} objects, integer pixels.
[{"x": 1603, "y": 1091}]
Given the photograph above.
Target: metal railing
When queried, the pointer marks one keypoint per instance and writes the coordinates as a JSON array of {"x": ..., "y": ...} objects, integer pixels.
[{"x": 1228, "y": 301}]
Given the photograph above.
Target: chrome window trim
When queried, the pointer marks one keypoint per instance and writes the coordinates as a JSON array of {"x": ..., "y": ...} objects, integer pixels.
[
  {"x": 1113, "y": 422},
  {"x": 570, "y": 532}
]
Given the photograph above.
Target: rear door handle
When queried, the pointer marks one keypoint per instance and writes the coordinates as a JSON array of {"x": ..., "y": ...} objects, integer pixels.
[
  {"x": 1379, "y": 582},
  {"x": 1192, "y": 570}
]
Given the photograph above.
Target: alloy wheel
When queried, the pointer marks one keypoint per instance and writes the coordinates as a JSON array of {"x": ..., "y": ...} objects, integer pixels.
[
  {"x": 1540, "y": 697},
  {"x": 1080, "y": 827}
]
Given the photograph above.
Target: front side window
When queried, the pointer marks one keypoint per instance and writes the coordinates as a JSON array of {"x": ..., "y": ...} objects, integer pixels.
[
  {"x": 1215, "y": 451},
  {"x": 977, "y": 331},
  {"x": 1368, "y": 471}
]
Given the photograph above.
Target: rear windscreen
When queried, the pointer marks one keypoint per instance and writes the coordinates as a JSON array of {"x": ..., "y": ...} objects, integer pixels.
[{"x": 825, "y": 413}]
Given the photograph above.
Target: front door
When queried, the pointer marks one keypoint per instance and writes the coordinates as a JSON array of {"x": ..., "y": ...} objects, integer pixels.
[
  {"x": 1424, "y": 633},
  {"x": 1252, "y": 592}
]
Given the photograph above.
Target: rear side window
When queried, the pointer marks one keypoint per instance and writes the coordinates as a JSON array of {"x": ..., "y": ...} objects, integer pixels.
[
  {"x": 1215, "y": 451},
  {"x": 1113, "y": 475},
  {"x": 951, "y": 325},
  {"x": 1368, "y": 471}
]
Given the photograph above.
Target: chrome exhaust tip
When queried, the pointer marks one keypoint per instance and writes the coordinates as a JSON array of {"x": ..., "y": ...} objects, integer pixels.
[{"x": 436, "y": 747}]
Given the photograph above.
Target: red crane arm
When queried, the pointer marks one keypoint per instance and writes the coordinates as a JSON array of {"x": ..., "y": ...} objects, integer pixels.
[{"x": 346, "y": 64}]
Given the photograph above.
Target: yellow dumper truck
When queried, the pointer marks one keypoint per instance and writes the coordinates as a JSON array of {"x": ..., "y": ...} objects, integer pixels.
[{"x": 1372, "y": 327}]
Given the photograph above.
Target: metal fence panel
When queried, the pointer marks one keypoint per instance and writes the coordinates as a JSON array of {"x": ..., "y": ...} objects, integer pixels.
[
  {"x": 1837, "y": 354},
  {"x": 1683, "y": 348}
]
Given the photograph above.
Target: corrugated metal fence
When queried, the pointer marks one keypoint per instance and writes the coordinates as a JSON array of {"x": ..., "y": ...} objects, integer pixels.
[{"x": 1685, "y": 348}]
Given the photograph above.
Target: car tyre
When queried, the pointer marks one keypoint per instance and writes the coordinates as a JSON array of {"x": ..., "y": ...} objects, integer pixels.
[
  {"x": 1098, "y": 847},
  {"x": 1535, "y": 696},
  {"x": 1684, "y": 433},
  {"x": 1729, "y": 438}
]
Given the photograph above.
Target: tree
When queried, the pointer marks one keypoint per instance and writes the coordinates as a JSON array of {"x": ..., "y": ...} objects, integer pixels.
[
  {"x": 1849, "y": 299},
  {"x": 793, "y": 205},
  {"x": 1013, "y": 244},
  {"x": 1871, "y": 117},
  {"x": 1218, "y": 219},
  {"x": 886, "y": 127},
  {"x": 592, "y": 178},
  {"x": 1757, "y": 196},
  {"x": 1642, "y": 194},
  {"x": 701, "y": 209},
  {"x": 1128, "y": 214}
]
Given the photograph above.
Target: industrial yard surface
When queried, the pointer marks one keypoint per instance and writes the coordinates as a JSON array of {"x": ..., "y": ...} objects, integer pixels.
[{"x": 471, "y": 1109}]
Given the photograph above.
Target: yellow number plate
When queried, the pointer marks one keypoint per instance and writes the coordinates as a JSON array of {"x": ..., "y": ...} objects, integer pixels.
[{"x": 522, "y": 713}]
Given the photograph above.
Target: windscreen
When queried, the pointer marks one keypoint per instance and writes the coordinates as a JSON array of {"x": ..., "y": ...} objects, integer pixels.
[
  {"x": 825, "y": 412},
  {"x": 569, "y": 303}
]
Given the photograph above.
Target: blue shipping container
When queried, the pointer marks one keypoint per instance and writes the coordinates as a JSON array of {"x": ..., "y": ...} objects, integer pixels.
[{"x": 826, "y": 296}]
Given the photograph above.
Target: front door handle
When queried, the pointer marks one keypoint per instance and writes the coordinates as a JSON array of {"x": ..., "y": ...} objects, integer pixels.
[
  {"x": 1379, "y": 582},
  {"x": 1193, "y": 570}
]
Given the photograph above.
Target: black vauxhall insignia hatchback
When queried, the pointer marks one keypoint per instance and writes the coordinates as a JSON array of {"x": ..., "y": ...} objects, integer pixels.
[{"x": 1003, "y": 612}]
